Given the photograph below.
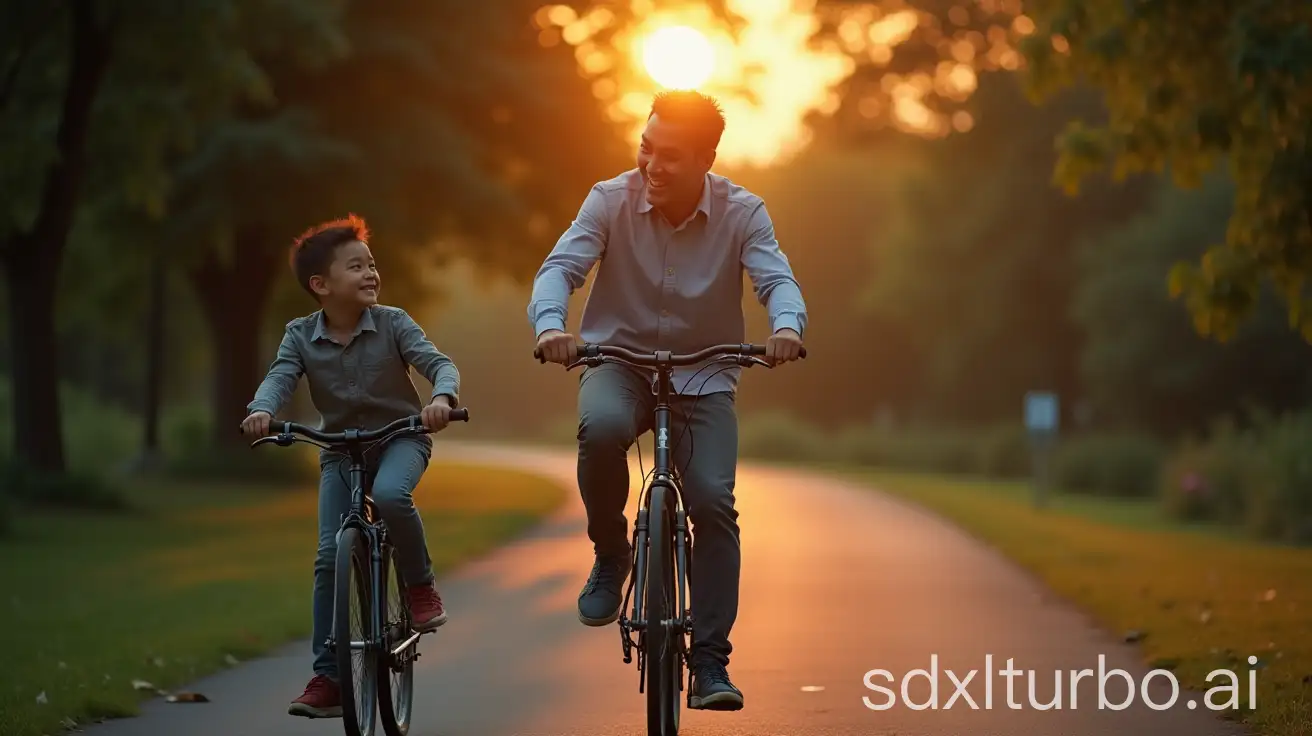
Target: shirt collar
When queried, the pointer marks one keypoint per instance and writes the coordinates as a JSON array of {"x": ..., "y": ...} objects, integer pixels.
[
  {"x": 366, "y": 324},
  {"x": 703, "y": 204}
]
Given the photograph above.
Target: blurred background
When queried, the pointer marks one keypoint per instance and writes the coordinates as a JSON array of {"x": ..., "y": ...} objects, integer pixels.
[{"x": 919, "y": 160}]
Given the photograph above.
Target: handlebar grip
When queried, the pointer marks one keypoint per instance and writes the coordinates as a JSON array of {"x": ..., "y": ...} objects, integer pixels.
[{"x": 459, "y": 415}]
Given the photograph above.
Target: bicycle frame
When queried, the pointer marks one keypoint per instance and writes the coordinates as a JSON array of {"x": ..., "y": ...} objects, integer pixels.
[{"x": 666, "y": 487}]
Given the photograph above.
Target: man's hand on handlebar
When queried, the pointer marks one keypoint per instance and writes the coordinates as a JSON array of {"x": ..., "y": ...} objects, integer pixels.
[
  {"x": 257, "y": 424},
  {"x": 556, "y": 346},
  {"x": 783, "y": 346},
  {"x": 437, "y": 414}
]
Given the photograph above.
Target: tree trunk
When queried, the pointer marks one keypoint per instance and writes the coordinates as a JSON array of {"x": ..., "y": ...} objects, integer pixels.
[
  {"x": 233, "y": 297},
  {"x": 155, "y": 337},
  {"x": 32, "y": 260}
]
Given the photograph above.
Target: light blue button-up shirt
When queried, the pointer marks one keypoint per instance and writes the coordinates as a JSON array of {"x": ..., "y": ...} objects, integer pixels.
[{"x": 661, "y": 287}]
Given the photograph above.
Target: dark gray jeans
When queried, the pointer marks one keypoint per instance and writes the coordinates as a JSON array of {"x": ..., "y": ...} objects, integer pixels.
[
  {"x": 616, "y": 405},
  {"x": 396, "y": 471}
]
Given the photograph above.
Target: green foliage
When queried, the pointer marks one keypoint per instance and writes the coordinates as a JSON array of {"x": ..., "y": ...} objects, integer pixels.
[
  {"x": 1142, "y": 364},
  {"x": 1109, "y": 464},
  {"x": 1188, "y": 86},
  {"x": 75, "y": 490},
  {"x": 978, "y": 269},
  {"x": 1258, "y": 478}
]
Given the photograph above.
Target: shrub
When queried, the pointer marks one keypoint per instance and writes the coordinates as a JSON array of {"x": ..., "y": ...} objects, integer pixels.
[
  {"x": 778, "y": 436},
  {"x": 1259, "y": 479},
  {"x": 1004, "y": 452},
  {"x": 75, "y": 489},
  {"x": 1109, "y": 464}
]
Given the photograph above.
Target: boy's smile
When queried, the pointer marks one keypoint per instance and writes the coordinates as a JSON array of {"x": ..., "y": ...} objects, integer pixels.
[{"x": 353, "y": 278}]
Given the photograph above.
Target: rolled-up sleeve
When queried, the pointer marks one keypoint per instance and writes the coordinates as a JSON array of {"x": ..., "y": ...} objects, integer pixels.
[
  {"x": 771, "y": 274},
  {"x": 419, "y": 352},
  {"x": 566, "y": 268}
]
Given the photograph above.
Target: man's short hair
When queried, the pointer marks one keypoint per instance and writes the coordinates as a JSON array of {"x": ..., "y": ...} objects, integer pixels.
[
  {"x": 699, "y": 112},
  {"x": 314, "y": 250}
]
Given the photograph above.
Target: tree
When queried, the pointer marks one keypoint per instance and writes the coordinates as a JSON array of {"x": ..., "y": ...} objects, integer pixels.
[
  {"x": 91, "y": 110},
  {"x": 976, "y": 259},
  {"x": 445, "y": 125},
  {"x": 1190, "y": 85},
  {"x": 1142, "y": 365}
]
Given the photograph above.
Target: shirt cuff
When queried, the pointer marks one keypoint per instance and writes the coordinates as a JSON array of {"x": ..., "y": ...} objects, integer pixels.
[
  {"x": 548, "y": 323},
  {"x": 789, "y": 322},
  {"x": 448, "y": 390}
]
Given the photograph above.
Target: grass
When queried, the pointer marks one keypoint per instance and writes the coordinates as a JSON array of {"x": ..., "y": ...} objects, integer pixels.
[
  {"x": 1201, "y": 599},
  {"x": 202, "y": 577}
]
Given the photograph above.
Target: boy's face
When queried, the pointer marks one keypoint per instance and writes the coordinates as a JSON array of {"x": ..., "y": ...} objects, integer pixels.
[{"x": 352, "y": 277}]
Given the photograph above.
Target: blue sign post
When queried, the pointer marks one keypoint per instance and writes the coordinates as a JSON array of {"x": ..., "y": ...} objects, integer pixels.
[{"x": 1042, "y": 420}]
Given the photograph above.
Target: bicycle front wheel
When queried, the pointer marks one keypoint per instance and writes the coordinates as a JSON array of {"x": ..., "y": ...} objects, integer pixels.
[
  {"x": 661, "y": 673},
  {"x": 353, "y": 633}
]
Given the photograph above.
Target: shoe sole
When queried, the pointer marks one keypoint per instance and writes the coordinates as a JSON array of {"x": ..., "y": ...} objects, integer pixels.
[
  {"x": 430, "y": 625},
  {"x": 612, "y": 618},
  {"x": 718, "y": 701},
  {"x": 305, "y": 711}
]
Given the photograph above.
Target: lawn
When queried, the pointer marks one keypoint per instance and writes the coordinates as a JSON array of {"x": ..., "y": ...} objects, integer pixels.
[
  {"x": 1202, "y": 599},
  {"x": 203, "y": 576}
]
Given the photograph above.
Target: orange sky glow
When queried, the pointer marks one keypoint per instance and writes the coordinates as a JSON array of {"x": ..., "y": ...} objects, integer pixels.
[{"x": 774, "y": 55}]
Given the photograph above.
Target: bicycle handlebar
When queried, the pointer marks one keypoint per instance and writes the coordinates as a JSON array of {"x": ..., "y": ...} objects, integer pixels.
[
  {"x": 412, "y": 423},
  {"x": 664, "y": 357}
]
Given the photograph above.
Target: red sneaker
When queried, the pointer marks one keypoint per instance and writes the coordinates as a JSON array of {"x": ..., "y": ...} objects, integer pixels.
[
  {"x": 426, "y": 609},
  {"x": 321, "y": 699}
]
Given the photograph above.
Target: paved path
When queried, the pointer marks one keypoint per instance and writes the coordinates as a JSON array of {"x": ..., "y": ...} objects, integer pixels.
[{"x": 837, "y": 581}]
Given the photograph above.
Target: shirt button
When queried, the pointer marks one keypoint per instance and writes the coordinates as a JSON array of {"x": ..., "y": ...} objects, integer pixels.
[{"x": 669, "y": 271}]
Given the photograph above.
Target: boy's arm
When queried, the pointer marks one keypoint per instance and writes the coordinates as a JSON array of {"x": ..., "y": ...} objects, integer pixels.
[
  {"x": 419, "y": 351},
  {"x": 771, "y": 274},
  {"x": 280, "y": 383},
  {"x": 567, "y": 266}
]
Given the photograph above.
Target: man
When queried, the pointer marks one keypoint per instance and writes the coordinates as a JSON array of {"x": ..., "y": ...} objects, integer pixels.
[{"x": 671, "y": 242}]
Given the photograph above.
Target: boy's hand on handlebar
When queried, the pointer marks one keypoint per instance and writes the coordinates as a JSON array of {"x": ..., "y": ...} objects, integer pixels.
[
  {"x": 257, "y": 424},
  {"x": 783, "y": 346},
  {"x": 437, "y": 414},
  {"x": 556, "y": 346}
]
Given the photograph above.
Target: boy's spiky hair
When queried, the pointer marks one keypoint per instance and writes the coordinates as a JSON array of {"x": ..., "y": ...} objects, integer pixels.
[
  {"x": 312, "y": 253},
  {"x": 698, "y": 111}
]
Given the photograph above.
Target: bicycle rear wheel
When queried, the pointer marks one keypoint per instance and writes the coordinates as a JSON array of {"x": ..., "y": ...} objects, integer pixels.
[
  {"x": 660, "y": 655},
  {"x": 353, "y": 633},
  {"x": 396, "y": 673}
]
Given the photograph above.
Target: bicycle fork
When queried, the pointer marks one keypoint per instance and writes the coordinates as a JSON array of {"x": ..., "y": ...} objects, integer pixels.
[{"x": 680, "y": 623}]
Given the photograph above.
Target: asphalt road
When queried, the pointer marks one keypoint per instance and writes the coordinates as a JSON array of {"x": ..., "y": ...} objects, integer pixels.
[{"x": 837, "y": 581}]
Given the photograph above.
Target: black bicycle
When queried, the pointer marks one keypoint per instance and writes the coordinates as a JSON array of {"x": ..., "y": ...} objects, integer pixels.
[
  {"x": 384, "y": 637},
  {"x": 662, "y": 541}
]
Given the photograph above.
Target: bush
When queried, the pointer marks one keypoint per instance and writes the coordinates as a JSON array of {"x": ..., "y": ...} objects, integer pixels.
[
  {"x": 1258, "y": 479},
  {"x": 778, "y": 436},
  {"x": 1109, "y": 464},
  {"x": 191, "y": 453},
  {"x": 74, "y": 489},
  {"x": 1004, "y": 452}
]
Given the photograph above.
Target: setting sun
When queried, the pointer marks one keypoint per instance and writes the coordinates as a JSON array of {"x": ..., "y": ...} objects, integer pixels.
[{"x": 678, "y": 57}]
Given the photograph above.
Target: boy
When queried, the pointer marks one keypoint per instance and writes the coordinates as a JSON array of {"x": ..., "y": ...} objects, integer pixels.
[{"x": 355, "y": 355}]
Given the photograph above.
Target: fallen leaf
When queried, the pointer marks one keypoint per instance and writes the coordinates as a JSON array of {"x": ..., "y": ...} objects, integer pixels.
[
  {"x": 188, "y": 698},
  {"x": 159, "y": 661},
  {"x": 41, "y": 698},
  {"x": 142, "y": 685},
  {"x": 231, "y": 660}
]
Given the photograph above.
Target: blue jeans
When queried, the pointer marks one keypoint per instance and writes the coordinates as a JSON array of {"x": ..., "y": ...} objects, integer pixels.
[{"x": 396, "y": 471}]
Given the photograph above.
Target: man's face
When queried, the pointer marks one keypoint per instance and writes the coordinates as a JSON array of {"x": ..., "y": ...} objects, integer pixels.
[
  {"x": 352, "y": 277},
  {"x": 672, "y": 163}
]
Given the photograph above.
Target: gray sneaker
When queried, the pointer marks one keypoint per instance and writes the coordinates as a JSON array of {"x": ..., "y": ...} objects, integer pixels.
[
  {"x": 712, "y": 690},
  {"x": 599, "y": 602}
]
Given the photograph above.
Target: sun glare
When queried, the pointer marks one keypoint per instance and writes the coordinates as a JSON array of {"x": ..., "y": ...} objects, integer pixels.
[
  {"x": 770, "y": 74},
  {"x": 678, "y": 57}
]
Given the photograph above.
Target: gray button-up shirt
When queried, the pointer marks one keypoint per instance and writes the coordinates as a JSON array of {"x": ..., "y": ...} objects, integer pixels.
[
  {"x": 364, "y": 384},
  {"x": 660, "y": 287}
]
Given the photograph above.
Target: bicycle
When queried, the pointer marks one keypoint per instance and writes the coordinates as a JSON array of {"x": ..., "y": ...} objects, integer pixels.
[
  {"x": 662, "y": 541},
  {"x": 363, "y": 548}
]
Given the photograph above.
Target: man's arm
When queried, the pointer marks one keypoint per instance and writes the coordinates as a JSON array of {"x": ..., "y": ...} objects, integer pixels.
[
  {"x": 771, "y": 275},
  {"x": 280, "y": 383},
  {"x": 419, "y": 351},
  {"x": 567, "y": 266}
]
